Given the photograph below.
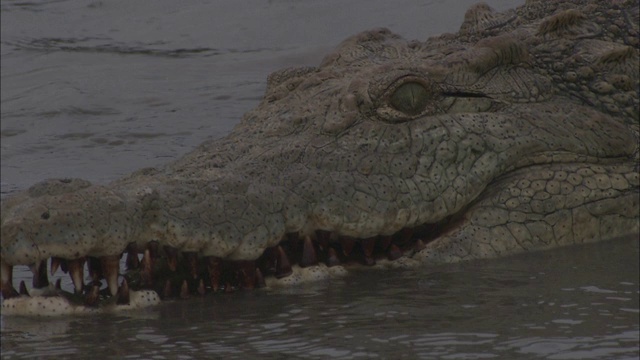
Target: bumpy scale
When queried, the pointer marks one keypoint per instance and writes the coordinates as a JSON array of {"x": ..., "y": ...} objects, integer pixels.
[{"x": 518, "y": 133}]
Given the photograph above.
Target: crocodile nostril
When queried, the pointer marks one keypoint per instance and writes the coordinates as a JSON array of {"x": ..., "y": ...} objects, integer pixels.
[{"x": 45, "y": 215}]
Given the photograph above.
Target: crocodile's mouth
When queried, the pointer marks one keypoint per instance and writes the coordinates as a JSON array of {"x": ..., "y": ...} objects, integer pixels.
[{"x": 174, "y": 274}]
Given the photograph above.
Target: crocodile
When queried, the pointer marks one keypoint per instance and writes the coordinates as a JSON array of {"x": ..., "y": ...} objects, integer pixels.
[{"x": 517, "y": 133}]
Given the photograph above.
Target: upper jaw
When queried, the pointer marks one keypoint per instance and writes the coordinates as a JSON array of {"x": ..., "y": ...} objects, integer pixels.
[{"x": 239, "y": 210}]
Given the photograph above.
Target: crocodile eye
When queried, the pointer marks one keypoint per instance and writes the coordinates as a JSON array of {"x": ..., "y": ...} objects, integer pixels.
[{"x": 411, "y": 98}]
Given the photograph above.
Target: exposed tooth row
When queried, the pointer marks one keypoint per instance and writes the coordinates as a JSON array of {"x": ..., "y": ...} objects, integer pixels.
[{"x": 219, "y": 274}]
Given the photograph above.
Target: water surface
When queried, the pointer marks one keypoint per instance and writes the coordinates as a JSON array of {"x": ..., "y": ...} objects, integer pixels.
[{"x": 98, "y": 89}]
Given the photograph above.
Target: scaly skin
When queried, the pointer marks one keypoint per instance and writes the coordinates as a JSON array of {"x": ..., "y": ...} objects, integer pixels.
[{"x": 518, "y": 133}]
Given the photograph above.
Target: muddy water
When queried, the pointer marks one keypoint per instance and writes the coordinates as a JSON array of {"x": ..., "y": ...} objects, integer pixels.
[
  {"x": 577, "y": 303},
  {"x": 98, "y": 89}
]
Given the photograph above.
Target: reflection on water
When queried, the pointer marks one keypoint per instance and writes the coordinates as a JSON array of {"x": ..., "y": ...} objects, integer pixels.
[{"x": 573, "y": 303}]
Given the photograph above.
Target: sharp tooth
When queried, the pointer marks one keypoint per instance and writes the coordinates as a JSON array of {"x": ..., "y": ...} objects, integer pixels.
[
  {"x": 228, "y": 288},
  {"x": 322, "y": 238},
  {"x": 369, "y": 260},
  {"x": 419, "y": 245},
  {"x": 283, "y": 266},
  {"x": 95, "y": 268},
  {"x": 76, "y": 270},
  {"x": 309, "y": 256},
  {"x": 247, "y": 274},
  {"x": 110, "y": 267},
  {"x": 39, "y": 271},
  {"x": 347, "y": 244},
  {"x": 123, "y": 293},
  {"x": 367, "y": 248},
  {"x": 132, "y": 260},
  {"x": 184, "y": 290},
  {"x": 214, "y": 270},
  {"x": 384, "y": 242},
  {"x": 172, "y": 257},
  {"x": 9, "y": 292},
  {"x": 92, "y": 296},
  {"x": 146, "y": 273},
  {"x": 293, "y": 237},
  {"x": 405, "y": 235},
  {"x": 23, "y": 289},
  {"x": 166, "y": 292},
  {"x": 6, "y": 273},
  {"x": 191, "y": 261},
  {"x": 153, "y": 249},
  {"x": 368, "y": 245},
  {"x": 55, "y": 264},
  {"x": 332, "y": 258},
  {"x": 259, "y": 279},
  {"x": 394, "y": 252},
  {"x": 269, "y": 259},
  {"x": 201, "y": 288},
  {"x": 64, "y": 265}
]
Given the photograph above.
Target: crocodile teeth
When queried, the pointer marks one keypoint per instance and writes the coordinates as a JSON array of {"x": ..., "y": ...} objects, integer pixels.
[
  {"x": 367, "y": 248},
  {"x": 76, "y": 271},
  {"x": 95, "y": 268},
  {"x": 39, "y": 271},
  {"x": 419, "y": 245},
  {"x": 184, "y": 290},
  {"x": 322, "y": 238},
  {"x": 123, "y": 293},
  {"x": 384, "y": 242},
  {"x": 260, "y": 283},
  {"x": 64, "y": 266},
  {"x": 153, "y": 246},
  {"x": 347, "y": 244},
  {"x": 23, "y": 289},
  {"x": 172, "y": 257},
  {"x": 6, "y": 273},
  {"x": 132, "y": 262},
  {"x": 110, "y": 266},
  {"x": 394, "y": 252},
  {"x": 201, "y": 288},
  {"x": 92, "y": 296},
  {"x": 405, "y": 235},
  {"x": 283, "y": 266},
  {"x": 191, "y": 260},
  {"x": 269, "y": 260},
  {"x": 146, "y": 273},
  {"x": 309, "y": 256},
  {"x": 55, "y": 264},
  {"x": 166, "y": 291},
  {"x": 8, "y": 291},
  {"x": 332, "y": 258},
  {"x": 213, "y": 268},
  {"x": 247, "y": 274},
  {"x": 368, "y": 245}
]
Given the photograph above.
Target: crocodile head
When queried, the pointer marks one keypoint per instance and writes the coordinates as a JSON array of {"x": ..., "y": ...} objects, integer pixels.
[{"x": 517, "y": 133}]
